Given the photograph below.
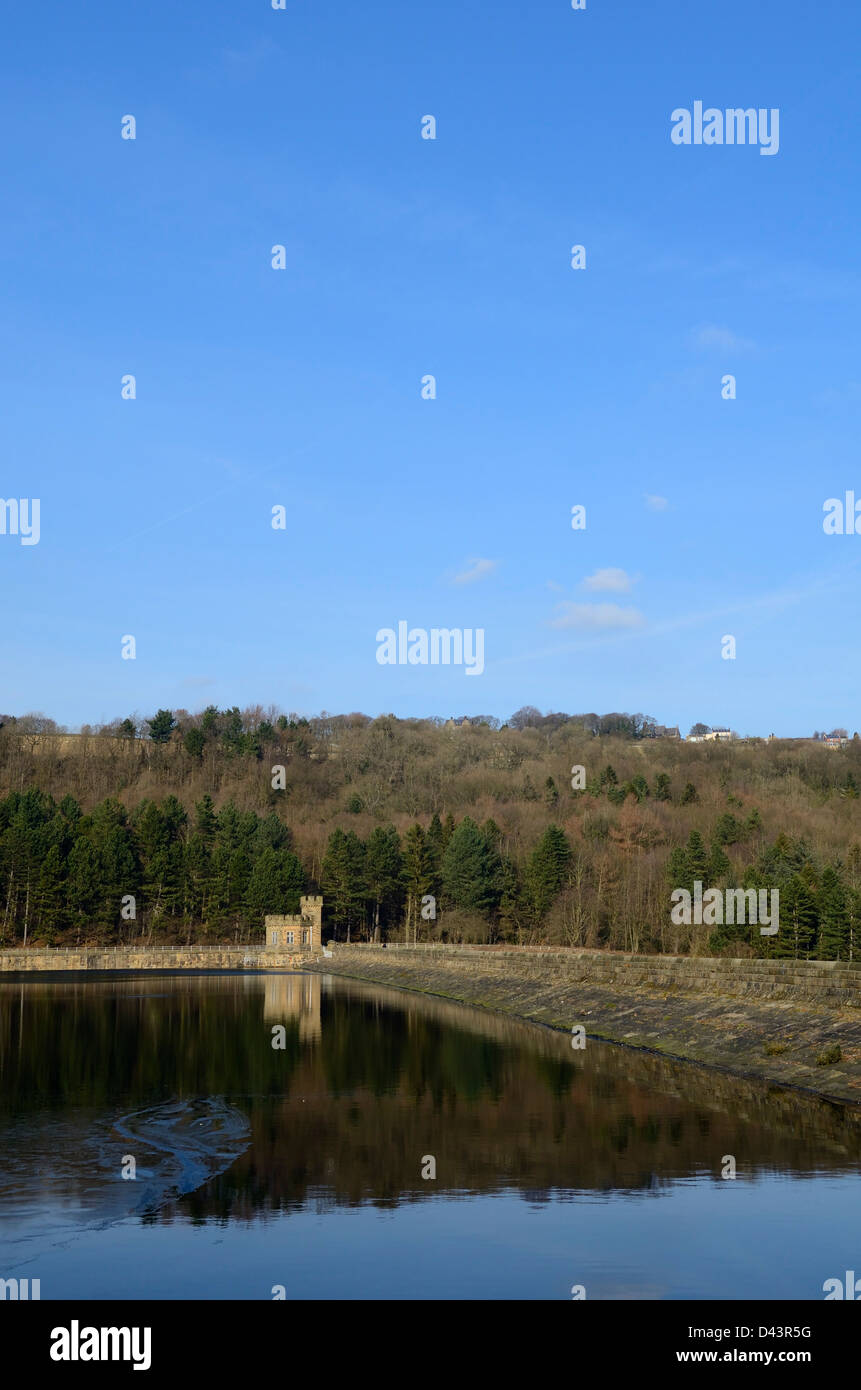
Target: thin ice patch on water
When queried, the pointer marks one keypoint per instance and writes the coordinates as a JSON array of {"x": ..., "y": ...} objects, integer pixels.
[
  {"x": 60, "y": 1177},
  {"x": 183, "y": 1144}
]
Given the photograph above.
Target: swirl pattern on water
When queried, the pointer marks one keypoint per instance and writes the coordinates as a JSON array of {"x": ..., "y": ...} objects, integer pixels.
[
  {"x": 177, "y": 1146},
  {"x": 191, "y": 1140}
]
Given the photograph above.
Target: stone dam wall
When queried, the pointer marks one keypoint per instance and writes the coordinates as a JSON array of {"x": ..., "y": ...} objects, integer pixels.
[
  {"x": 770, "y": 1019},
  {"x": 825, "y": 981},
  {"x": 152, "y": 958}
]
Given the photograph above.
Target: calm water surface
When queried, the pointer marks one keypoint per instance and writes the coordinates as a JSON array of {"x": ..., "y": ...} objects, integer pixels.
[{"x": 301, "y": 1166}]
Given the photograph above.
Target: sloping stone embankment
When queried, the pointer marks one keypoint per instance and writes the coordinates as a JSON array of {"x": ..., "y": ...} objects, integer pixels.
[{"x": 767, "y": 1019}]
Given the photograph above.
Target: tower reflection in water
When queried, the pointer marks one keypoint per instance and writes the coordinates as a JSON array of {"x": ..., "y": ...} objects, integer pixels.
[{"x": 288, "y": 997}]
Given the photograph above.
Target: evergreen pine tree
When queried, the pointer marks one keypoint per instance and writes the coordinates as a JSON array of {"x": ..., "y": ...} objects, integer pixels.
[
  {"x": 239, "y": 870},
  {"x": 217, "y": 897},
  {"x": 194, "y": 743},
  {"x": 276, "y": 884},
  {"x": 727, "y": 831},
  {"x": 417, "y": 876},
  {"x": 491, "y": 832},
  {"x": 383, "y": 874},
  {"x": 344, "y": 881},
  {"x": 662, "y": 787},
  {"x": 471, "y": 869},
  {"x": 435, "y": 842},
  {"x": 546, "y": 871},
  {"x": 161, "y": 726},
  {"x": 50, "y": 896},
  {"x": 198, "y": 871},
  {"x": 82, "y": 882},
  {"x": 697, "y": 858},
  {"x": 719, "y": 867},
  {"x": 833, "y": 918},
  {"x": 677, "y": 868},
  {"x": 334, "y": 880},
  {"x": 853, "y": 924},
  {"x": 639, "y": 786},
  {"x": 798, "y": 920}
]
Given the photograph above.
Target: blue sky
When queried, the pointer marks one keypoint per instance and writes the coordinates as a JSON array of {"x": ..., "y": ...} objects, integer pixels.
[{"x": 405, "y": 256}]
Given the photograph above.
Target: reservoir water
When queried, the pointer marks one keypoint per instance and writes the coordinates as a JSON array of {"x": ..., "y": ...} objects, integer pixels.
[{"x": 251, "y": 1136}]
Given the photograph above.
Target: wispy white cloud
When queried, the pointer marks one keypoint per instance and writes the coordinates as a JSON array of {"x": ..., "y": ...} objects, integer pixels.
[
  {"x": 713, "y": 335},
  {"x": 839, "y": 579},
  {"x": 609, "y": 581},
  {"x": 597, "y": 617},
  {"x": 479, "y": 569},
  {"x": 242, "y": 479},
  {"x": 248, "y": 58},
  {"x": 839, "y": 395},
  {"x": 656, "y": 504},
  {"x": 759, "y": 274},
  {"x": 241, "y": 62}
]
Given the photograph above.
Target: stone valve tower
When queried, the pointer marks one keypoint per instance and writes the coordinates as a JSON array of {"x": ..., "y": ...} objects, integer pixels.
[{"x": 302, "y": 931}]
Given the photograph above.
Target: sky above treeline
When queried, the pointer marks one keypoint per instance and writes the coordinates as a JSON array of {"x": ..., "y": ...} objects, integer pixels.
[{"x": 444, "y": 504}]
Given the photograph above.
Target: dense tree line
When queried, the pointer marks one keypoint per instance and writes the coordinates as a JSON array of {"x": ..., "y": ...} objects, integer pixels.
[
  {"x": 449, "y": 879},
  {"x": 161, "y": 872},
  {"x": 250, "y": 729},
  {"x": 111, "y": 875},
  {"x": 819, "y": 904},
  {"x": 547, "y": 832}
]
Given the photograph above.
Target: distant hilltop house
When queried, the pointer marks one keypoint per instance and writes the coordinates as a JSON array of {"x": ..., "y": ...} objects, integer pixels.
[
  {"x": 462, "y": 723},
  {"x": 665, "y": 731},
  {"x": 835, "y": 741},
  {"x": 713, "y": 736},
  {"x": 302, "y": 930}
]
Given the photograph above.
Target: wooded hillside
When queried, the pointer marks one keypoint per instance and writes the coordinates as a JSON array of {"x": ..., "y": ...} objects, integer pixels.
[{"x": 210, "y": 820}]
